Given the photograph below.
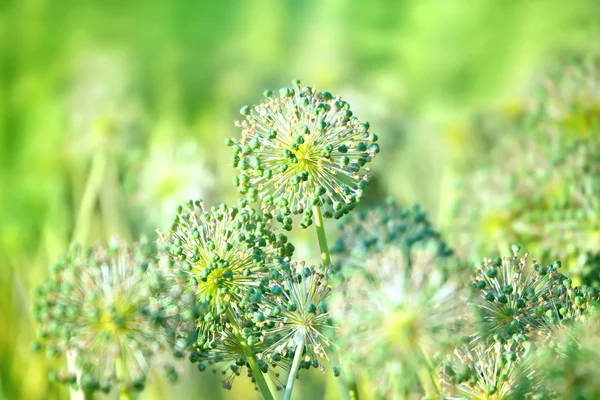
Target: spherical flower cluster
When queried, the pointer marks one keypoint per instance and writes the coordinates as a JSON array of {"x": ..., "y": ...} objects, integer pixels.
[
  {"x": 101, "y": 309},
  {"x": 294, "y": 315},
  {"x": 216, "y": 256},
  {"x": 299, "y": 149},
  {"x": 394, "y": 314},
  {"x": 512, "y": 296},
  {"x": 367, "y": 232}
]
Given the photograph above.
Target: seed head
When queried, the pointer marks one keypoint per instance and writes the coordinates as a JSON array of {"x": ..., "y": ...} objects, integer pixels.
[
  {"x": 101, "y": 309},
  {"x": 568, "y": 361},
  {"x": 394, "y": 314},
  {"x": 293, "y": 308},
  {"x": 299, "y": 149},
  {"x": 367, "y": 232},
  {"x": 512, "y": 296},
  {"x": 215, "y": 257}
]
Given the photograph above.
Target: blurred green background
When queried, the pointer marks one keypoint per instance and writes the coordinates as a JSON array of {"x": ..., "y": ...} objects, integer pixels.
[{"x": 112, "y": 113}]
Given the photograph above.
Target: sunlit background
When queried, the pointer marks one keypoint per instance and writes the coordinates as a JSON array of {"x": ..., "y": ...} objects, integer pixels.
[{"x": 114, "y": 112}]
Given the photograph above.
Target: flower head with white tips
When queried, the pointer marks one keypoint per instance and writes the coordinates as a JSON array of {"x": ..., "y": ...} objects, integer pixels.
[{"x": 300, "y": 149}]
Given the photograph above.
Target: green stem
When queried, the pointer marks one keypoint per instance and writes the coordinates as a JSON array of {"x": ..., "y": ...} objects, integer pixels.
[
  {"x": 325, "y": 256},
  {"x": 120, "y": 372},
  {"x": 352, "y": 387},
  {"x": 262, "y": 384},
  {"x": 430, "y": 368},
  {"x": 326, "y": 259},
  {"x": 295, "y": 365},
  {"x": 88, "y": 200}
]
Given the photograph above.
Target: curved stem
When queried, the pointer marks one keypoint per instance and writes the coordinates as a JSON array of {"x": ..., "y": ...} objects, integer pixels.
[
  {"x": 295, "y": 366},
  {"x": 325, "y": 256},
  {"x": 261, "y": 383}
]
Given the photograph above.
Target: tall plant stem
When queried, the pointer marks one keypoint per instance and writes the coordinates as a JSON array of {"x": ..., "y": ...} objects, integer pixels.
[
  {"x": 295, "y": 365},
  {"x": 326, "y": 259},
  {"x": 90, "y": 195},
  {"x": 262, "y": 384},
  {"x": 120, "y": 372},
  {"x": 325, "y": 256},
  {"x": 352, "y": 387}
]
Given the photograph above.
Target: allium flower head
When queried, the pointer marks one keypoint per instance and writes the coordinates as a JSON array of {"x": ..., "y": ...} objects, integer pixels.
[
  {"x": 512, "y": 296},
  {"x": 394, "y": 315},
  {"x": 216, "y": 256},
  {"x": 488, "y": 373},
  {"x": 100, "y": 308},
  {"x": 299, "y": 149},
  {"x": 372, "y": 231},
  {"x": 292, "y": 311}
]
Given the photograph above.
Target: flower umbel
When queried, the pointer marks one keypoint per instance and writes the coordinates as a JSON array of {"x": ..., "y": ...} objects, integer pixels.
[
  {"x": 100, "y": 308},
  {"x": 368, "y": 232},
  {"x": 294, "y": 310},
  {"x": 300, "y": 149},
  {"x": 392, "y": 317},
  {"x": 218, "y": 255}
]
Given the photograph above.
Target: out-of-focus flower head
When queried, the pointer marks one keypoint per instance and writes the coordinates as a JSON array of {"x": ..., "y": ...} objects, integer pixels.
[
  {"x": 540, "y": 183},
  {"x": 398, "y": 300},
  {"x": 367, "y": 232},
  {"x": 101, "y": 309},
  {"x": 173, "y": 170},
  {"x": 299, "y": 149},
  {"x": 216, "y": 256},
  {"x": 104, "y": 115},
  {"x": 568, "y": 362}
]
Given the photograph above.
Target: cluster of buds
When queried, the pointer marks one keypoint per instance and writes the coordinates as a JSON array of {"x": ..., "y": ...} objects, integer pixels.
[
  {"x": 398, "y": 303},
  {"x": 101, "y": 310},
  {"x": 299, "y": 149}
]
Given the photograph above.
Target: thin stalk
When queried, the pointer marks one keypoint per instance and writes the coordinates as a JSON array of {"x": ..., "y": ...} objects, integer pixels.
[
  {"x": 295, "y": 365},
  {"x": 429, "y": 369},
  {"x": 90, "y": 195},
  {"x": 262, "y": 384},
  {"x": 325, "y": 256},
  {"x": 349, "y": 378},
  {"x": 120, "y": 372},
  {"x": 352, "y": 387}
]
